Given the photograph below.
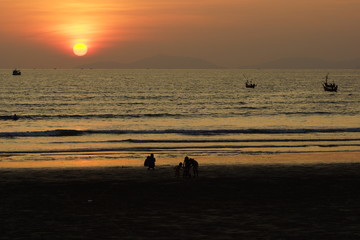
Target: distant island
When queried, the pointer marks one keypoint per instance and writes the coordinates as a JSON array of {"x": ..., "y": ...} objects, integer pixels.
[
  {"x": 184, "y": 62},
  {"x": 157, "y": 62},
  {"x": 307, "y": 63}
]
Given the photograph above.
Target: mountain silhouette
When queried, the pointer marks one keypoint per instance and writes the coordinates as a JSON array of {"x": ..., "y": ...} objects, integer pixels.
[
  {"x": 183, "y": 62},
  {"x": 157, "y": 62},
  {"x": 307, "y": 63}
]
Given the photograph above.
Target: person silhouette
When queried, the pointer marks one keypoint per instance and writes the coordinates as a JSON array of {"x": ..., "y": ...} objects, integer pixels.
[
  {"x": 178, "y": 169},
  {"x": 150, "y": 160},
  {"x": 195, "y": 166},
  {"x": 187, "y": 166}
]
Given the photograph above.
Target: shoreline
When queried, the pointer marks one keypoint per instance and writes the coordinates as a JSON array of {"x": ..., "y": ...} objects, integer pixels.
[{"x": 276, "y": 158}]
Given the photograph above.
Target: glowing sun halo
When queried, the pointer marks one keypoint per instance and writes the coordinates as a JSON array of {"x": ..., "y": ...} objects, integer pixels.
[{"x": 80, "y": 49}]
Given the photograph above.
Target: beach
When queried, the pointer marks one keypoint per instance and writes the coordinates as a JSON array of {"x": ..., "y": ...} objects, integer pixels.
[
  {"x": 266, "y": 109},
  {"x": 239, "y": 201}
]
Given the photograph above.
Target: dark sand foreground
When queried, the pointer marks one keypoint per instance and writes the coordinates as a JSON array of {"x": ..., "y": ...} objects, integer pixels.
[{"x": 226, "y": 202}]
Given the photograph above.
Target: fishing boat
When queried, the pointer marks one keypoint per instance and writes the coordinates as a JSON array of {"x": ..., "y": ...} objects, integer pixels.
[
  {"x": 329, "y": 87},
  {"x": 249, "y": 84},
  {"x": 16, "y": 72}
]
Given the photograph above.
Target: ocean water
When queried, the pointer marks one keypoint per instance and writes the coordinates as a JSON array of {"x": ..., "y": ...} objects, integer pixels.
[{"x": 115, "y": 115}]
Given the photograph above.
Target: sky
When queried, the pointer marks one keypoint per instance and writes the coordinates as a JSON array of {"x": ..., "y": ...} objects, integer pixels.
[{"x": 229, "y": 33}]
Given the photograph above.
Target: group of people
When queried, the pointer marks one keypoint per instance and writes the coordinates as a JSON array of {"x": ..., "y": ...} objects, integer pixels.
[{"x": 187, "y": 168}]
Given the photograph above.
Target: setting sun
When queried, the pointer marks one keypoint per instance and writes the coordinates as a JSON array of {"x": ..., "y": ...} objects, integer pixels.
[{"x": 80, "y": 49}]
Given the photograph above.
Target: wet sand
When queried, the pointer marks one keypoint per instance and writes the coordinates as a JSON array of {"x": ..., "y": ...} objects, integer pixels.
[{"x": 311, "y": 201}]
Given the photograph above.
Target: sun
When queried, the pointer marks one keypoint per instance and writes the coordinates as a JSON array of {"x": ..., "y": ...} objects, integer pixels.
[{"x": 80, "y": 49}]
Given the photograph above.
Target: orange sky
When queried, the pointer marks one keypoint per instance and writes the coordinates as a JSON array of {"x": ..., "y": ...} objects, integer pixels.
[{"x": 41, "y": 33}]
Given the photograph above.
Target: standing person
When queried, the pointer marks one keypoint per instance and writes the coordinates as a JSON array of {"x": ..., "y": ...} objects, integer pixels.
[
  {"x": 187, "y": 166},
  {"x": 150, "y": 160},
  {"x": 195, "y": 166}
]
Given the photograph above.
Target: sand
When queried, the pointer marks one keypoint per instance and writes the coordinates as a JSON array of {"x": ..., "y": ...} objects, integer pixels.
[{"x": 303, "y": 201}]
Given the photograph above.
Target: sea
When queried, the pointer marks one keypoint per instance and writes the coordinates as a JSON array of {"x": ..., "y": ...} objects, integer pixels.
[{"x": 119, "y": 116}]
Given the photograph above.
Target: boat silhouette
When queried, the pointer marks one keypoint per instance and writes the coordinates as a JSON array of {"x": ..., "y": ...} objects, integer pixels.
[
  {"x": 329, "y": 87},
  {"x": 16, "y": 72},
  {"x": 249, "y": 84}
]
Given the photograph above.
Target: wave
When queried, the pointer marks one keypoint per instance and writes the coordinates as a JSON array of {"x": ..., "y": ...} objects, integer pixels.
[
  {"x": 189, "y": 132},
  {"x": 205, "y": 141},
  {"x": 50, "y": 133},
  {"x": 92, "y": 116},
  {"x": 234, "y": 140},
  {"x": 217, "y": 148},
  {"x": 244, "y": 111}
]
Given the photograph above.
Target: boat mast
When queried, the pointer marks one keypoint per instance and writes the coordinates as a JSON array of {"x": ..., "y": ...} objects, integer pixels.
[{"x": 326, "y": 78}]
